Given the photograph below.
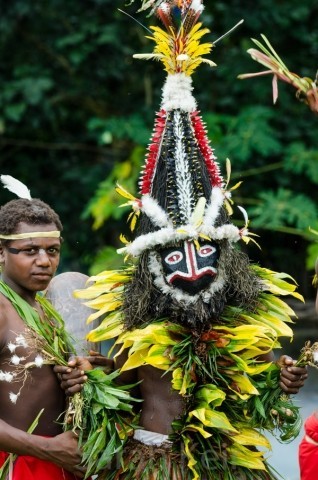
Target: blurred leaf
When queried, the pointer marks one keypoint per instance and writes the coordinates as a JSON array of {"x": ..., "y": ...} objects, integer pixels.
[
  {"x": 244, "y": 135},
  {"x": 312, "y": 249},
  {"x": 299, "y": 159},
  {"x": 132, "y": 127},
  {"x": 15, "y": 111},
  {"x": 312, "y": 255},
  {"x": 106, "y": 201},
  {"x": 106, "y": 258},
  {"x": 281, "y": 208}
]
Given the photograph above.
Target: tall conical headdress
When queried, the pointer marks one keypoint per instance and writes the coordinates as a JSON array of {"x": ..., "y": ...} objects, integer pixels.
[{"x": 182, "y": 191}]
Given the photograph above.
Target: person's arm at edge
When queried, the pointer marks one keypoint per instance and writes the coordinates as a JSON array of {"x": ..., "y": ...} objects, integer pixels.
[{"x": 61, "y": 449}]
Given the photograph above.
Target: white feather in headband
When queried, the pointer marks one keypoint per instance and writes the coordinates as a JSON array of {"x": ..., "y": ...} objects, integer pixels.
[{"x": 15, "y": 186}]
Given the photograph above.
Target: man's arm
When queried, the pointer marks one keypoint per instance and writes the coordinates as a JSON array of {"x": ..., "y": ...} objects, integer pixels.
[{"x": 61, "y": 450}]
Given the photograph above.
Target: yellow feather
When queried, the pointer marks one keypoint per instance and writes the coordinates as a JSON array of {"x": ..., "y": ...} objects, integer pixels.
[{"x": 124, "y": 193}]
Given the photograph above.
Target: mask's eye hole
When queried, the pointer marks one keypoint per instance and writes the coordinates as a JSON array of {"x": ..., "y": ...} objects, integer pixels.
[
  {"x": 206, "y": 250},
  {"x": 174, "y": 257}
]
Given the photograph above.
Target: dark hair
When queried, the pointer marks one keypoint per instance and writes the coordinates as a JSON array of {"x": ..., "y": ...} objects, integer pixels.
[{"x": 32, "y": 212}]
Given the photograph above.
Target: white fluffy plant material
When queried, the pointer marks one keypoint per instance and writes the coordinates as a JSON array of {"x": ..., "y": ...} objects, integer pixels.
[
  {"x": 197, "y": 6},
  {"x": 154, "y": 212},
  {"x": 190, "y": 230},
  {"x": 213, "y": 208},
  {"x": 177, "y": 93}
]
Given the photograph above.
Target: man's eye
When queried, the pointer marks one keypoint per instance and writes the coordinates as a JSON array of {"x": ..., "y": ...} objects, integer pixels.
[
  {"x": 206, "y": 250},
  {"x": 173, "y": 258},
  {"x": 53, "y": 251},
  {"x": 30, "y": 251}
]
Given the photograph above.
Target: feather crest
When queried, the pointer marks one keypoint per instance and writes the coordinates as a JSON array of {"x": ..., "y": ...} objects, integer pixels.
[{"x": 15, "y": 186}]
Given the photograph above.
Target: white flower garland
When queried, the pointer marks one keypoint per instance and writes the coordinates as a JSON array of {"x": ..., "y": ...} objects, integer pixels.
[{"x": 169, "y": 234}]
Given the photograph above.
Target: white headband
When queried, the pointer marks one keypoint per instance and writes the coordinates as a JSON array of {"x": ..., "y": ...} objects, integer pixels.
[{"x": 18, "y": 236}]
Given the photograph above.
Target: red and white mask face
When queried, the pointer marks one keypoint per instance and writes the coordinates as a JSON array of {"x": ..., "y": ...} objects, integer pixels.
[{"x": 189, "y": 268}]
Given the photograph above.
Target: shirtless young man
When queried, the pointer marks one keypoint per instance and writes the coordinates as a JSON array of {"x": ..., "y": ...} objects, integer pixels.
[{"x": 29, "y": 256}]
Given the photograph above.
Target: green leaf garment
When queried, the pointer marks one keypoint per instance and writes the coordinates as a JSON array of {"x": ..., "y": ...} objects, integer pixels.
[{"x": 232, "y": 397}]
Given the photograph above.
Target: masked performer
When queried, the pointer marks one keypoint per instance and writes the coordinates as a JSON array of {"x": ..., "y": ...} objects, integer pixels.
[{"x": 194, "y": 322}]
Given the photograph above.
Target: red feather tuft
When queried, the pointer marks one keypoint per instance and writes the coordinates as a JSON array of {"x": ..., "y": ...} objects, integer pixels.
[
  {"x": 152, "y": 155},
  {"x": 207, "y": 151}
]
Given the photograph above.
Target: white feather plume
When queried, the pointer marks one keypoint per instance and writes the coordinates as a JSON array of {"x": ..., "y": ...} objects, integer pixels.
[{"x": 15, "y": 186}]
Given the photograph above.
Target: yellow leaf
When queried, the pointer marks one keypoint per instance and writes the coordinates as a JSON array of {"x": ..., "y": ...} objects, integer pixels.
[
  {"x": 156, "y": 333},
  {"x": 228, "y": 207},
  {"x": 98, "y": 314},
  {"x": 123, "y": 239},
  {"x": 177, "y": 378},
  {"x": 249, "y": 436},
  {"x": 205, "y": 237},
  {"x": 157, "y": 357},
  {"x": 110, "y": 327},
  {"x": 212, "y": 418},
  {"x": 105, "y": 302},
  {"x": 242, "y": 456},
  {"x": 254, "y": 369},
  {"x": 276, "y": 304},
  {"x": 197, "y": 215},
  {"x": 210, "y": 394},
  {"x": 124, "y": 193},
  {"x": 193, "y": 427},
  {"x": 191, "y": 460},
  {"x": 91, "y": 293},
  {"x": 133, "y": 217},
  {"x": 280, "y": 327},
  {"x": 237, "y": 185},
  {"x": 135, "y": 360},
  {"x": 244, "y": 388}
]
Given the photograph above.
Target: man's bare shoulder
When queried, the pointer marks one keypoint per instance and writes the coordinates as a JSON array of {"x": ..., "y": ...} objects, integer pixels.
[
  {"x": 8, "y": 315},
  {"x": 6, "y": 307}
]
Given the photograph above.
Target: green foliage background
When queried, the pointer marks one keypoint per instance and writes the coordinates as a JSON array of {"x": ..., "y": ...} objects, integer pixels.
[{"x": 76, "y": 115}]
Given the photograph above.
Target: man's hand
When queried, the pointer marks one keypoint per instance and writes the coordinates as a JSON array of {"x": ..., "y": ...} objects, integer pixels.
[
  {"x": 292, "y": 378},
  {"x": 63, "y": 451},
  {"x": 72, "y": 377},
  {"x": 99, "y": 360}
]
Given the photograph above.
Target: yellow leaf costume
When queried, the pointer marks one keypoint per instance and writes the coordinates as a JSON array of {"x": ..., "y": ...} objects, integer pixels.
[{"x": 231, "y": 410}]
